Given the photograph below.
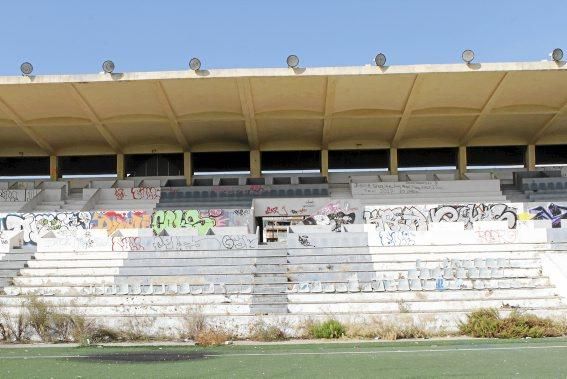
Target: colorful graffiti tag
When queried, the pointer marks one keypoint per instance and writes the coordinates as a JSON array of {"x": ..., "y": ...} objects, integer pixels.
[
  {"x": 336, "y": 213},
  {"x": 35, "y": 225},
  {"x": 552, "y": 212}
]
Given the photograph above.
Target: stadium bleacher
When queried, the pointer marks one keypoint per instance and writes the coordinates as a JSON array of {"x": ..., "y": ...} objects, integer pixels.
[{"x": 429, "y": 245}]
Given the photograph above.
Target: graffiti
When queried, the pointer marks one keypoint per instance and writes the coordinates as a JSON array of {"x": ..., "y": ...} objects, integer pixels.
[
  {"x": 119, "y": 193},
  {"x": 146, "y": 193},
  {"x": 127, "y": 244},
  {"x": 114, "y": 220},
  {"x": 397, "y": 219},
  {"x": 242, "y": 212},
  {"x": 304, "y": 241},
  {"x": 334, "y": 213},
  {"x": 184, "y": 243},
  {"x": 496, "y": 236},
  {"x": 396, "y": 188},
  {"x": 137, "y": 193},
  {"x": 468, "y": 214},
  {"x": 337, "y": 220},
  {"x": 270, "y": 210},
  {"x": 418, "y": 218},
  {"x": 552, "y": 212},
  {"x": 183, "y": 219},
  {"x": 12, "y": 196},
  {"x": 237, "y": 242},
  {"x": 396, "y": 238},
  {"x": 35, "y": 225}
]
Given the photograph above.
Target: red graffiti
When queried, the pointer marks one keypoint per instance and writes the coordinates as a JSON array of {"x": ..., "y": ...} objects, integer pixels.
[
  {"x": 270, "y": 210},
  {"x": 119, "y": 193}
]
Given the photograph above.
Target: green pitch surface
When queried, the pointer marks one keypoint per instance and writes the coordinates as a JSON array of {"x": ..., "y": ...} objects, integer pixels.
[{"x": 469, "y": 358}]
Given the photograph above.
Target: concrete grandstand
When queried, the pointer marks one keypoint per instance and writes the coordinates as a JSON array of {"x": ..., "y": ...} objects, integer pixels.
[{"x": 402, "y": 192}]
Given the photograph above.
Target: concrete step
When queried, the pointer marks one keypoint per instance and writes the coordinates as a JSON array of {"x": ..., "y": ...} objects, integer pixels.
[{"x": 266, "y": 309}]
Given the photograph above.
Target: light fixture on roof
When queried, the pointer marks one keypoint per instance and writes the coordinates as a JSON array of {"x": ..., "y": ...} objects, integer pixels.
[
  {"x": 26, "y": 68},
  {"x": 292, "y": 61},
  {"x": 557, "y": 55},
  {"x": 468, "y": 56},
  {"x": 108, "y": 66},
  {"x": 195, "y": 64},
  {"x": 380, "y": 59}
]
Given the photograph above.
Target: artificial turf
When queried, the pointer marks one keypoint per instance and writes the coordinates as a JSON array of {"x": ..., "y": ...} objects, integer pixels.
[{"x": 468, "y": 358}]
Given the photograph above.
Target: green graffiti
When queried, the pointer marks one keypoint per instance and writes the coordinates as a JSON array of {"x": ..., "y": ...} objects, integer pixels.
[{"x": 163, "y": 219}]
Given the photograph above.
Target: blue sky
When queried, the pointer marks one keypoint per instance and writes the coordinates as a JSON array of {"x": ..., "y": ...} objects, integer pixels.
[{"x": 76, "y": 36}]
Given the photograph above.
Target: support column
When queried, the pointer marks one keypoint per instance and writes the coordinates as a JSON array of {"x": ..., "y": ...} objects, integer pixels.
[
  {"x": 53, "y": 168},
  {"x": 530, "y": 158},
  {"x": 120, "y": 170},
  {"x": 462, "y": 162},
  {"x": 325, "y": 163},
  {"x": 255, "y": 164},
  {"x": 187, "y": 167},
  {"x": 393, "y": 161}
]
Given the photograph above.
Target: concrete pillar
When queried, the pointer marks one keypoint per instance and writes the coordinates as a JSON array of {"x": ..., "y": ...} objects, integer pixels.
[
  {"x": 188, "y": 167},
  {"x": 120, "y": 170},
  {"x": 530, "y": 157},
  {"x": 255, "y": 164},
  {"x": 53, "y": 168},
  {"x": 325, "y": 162},
  {"x": 462, "y": 161},
  {"x": 393, "y": 161}
]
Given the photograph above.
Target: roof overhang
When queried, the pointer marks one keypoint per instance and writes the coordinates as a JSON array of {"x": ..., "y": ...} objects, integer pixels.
[{"x": 285, "y": 109}]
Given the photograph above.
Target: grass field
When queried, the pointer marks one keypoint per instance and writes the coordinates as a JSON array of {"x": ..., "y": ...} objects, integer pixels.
[{"x": 472, "y": 358}]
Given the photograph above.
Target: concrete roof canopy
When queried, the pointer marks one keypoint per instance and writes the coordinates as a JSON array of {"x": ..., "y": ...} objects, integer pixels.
[{"x": 285, "y": 109}]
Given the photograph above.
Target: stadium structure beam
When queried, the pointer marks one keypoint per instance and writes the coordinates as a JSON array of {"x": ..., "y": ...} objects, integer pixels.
[
  {"x": 539, "y": 134},
  {"x": 20, "y": 123},
  {"x": 462, "y": 161},
  {"x": 120, "y": 169},
  {"x": 88, "y": 109},
  {"x": 188, "y": 167},
  {"x": 331, "y": 85},
  {"x": 486, "y": 109},
  {"x": 173, "y": 122},
  {"x": 393, "y": 161},
  {"x": 530, "y": 159},
  {"x": 325, "y": 162},
  {"x": 53, "y": 168},
  {"x": 247, "y": 104},
  {"x": 255, "y": 164},
  {"x": 406, "y": 113}
]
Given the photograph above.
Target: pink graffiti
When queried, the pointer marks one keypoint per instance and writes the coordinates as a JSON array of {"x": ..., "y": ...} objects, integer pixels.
[{"x": 497, "y": 236}]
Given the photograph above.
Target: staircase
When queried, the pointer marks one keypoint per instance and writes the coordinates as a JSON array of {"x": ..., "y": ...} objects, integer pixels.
[
  {"x": 513, "y": 194},
  {"x": 270, "y": 283},
  {"x": 74, "y": 202},
  {"x": 11, "y": 263}
]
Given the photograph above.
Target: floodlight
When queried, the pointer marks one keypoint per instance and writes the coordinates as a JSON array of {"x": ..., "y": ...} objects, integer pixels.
[
  {"x": 380, "y": 59},
  {"x": 557, "y": 55},
  {"x": 108, "y": 67},
  {"x": 195, "y": 64},
  {"x": 468, "y": 56},
  {"x": 292, "y": 61},
  {"x": 26, "y": 68}
]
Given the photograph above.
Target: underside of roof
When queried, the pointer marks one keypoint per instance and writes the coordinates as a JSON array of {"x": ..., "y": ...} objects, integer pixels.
[{"x": 285, "y": 109}]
